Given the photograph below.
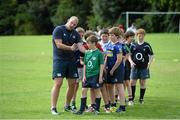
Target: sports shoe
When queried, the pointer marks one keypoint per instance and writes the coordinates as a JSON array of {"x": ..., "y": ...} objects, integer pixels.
[
  {"x": 120, "y": 110},
  {"x": 67, "y": 108},
  {"x": 96, "y": 112},
  {"x": 141, "y": 101},
  {"x": 79, "y": 112},
  {"x": 90, "y": 109},
  {"x": 54, "y": 111},
  {"x": 130, "y": 103},
  {"x": 113, "y": 109},
  {"x": 107, "y": 110},
  {"x": 74, "y": 108}
]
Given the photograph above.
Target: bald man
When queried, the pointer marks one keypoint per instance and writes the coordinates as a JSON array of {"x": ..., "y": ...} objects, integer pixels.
[{"x": 66, "y": 40}]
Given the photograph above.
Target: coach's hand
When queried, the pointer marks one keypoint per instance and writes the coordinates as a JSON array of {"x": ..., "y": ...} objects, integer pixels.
[{"x": 74, "y": 47}]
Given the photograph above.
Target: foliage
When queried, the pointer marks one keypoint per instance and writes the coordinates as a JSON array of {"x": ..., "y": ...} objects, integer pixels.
[
  {"x": 7, "y": 18},
  {"x": 41, "y": 16}
]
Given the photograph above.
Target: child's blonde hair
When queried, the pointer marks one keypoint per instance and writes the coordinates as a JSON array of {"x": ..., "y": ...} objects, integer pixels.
[
  {"x": 141, "y": 31},
  {"x": 116, "y": 31}
]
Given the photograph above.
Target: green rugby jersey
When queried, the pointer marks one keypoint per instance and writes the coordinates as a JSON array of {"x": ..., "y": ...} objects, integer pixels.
[{"x": 93, "y": 59}]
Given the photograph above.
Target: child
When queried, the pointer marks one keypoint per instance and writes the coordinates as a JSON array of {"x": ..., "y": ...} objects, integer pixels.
[
  {"x": 84, "y": 90},
  {"x": 104, "y": 35},
  {"x": 78, "y": 55},
  {"x": 115, "y": 69},
  {"x": 140, "y": 59},
  {"x": 129, "y": 36},
  {"x": 93, "y": 72}
]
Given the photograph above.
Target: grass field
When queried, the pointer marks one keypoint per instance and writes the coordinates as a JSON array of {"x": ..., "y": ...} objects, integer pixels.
[{"x": 25, "y": 81}]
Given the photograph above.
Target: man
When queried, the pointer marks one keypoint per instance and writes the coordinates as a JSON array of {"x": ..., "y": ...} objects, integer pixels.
[
  {"x": 140, "y": 59},
  {"x": 66, "y": 40}
]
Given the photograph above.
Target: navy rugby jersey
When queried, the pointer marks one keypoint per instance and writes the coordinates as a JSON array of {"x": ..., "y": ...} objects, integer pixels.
[
  {"x": 111, "y": 51},
  {"x": 68, "y": 38},
  {"x": 140, "y": 54}
]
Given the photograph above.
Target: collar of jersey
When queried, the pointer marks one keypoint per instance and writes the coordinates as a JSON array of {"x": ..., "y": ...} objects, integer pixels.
[{"x": 93, "y": 50}]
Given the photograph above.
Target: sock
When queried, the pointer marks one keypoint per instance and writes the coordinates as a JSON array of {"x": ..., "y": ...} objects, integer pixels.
[
  {"x": 133, "y": 91},
  {"x": 130, "y": 98},
  {"x": 113, "y": 104},
  {"x": 107, "y": 106},
  {"x": 142, "y": 92},
  {"x": 93, "y": 106},
  {"x": 109, "y": 103},
  {"x": 116, "y": 98},
  {"x": 98, "y": 102},
  {"x": 52, "y": 108},
  {"x": 83, "y": 104}
]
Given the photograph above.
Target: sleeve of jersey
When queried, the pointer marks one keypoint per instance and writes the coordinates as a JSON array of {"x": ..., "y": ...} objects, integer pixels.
[
  {"x": 101, "y": 58},
  {"x": 85, "y": 46},
  {"x": 127, "y": 49},
  {"x": 78, "y": 38},
  {"x": 99, "y": 47},
  {"x": 84, "y": 59},
  {"x": 81, "y": 54},
  {"x": 118, "y": 49},
  {"x": 150, "y": 50},
  {"x": 131, "y": 49},
  {"x": 57, "y": 33}
]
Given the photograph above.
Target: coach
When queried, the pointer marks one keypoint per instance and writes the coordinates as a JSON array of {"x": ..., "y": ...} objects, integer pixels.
[{"x": 65, "y": 42}]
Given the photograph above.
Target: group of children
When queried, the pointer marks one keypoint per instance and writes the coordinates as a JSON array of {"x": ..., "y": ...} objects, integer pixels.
[{"x": 110, "y": 65}]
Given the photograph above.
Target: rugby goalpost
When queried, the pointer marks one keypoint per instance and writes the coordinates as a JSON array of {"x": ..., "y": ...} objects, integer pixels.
[{"x": 150, "y": 13}]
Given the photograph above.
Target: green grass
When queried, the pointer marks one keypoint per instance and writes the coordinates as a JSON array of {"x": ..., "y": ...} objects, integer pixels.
[{"x": 25, "y": 81}]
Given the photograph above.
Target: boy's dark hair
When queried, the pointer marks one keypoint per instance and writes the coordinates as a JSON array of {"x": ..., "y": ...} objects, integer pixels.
[
  {"x": 129, "y": 34},
  {"x": 104, "y": 31},
  {"x": 92, "y": 39},
  {"x": 88, "y": 33}
]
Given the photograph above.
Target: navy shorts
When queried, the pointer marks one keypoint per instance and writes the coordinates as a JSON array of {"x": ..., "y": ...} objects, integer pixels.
[
  {"x": 118, "y": 76},
  {"x": 65, "y": 68},
  {"x": 127, "y": 74},
  {"x": 137, "y": 73},
  {"x": 92, "y": 82}
]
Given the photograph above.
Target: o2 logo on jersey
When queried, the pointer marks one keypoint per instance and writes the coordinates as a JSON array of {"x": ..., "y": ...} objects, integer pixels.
[
  {"x": 89, "y": 64},
  {"x": 139, "y": 57}
]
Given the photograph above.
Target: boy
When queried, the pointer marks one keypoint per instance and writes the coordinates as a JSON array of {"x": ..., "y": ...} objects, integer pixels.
[
  {"x": 129, "y": 36},
  {"x": 140, "y": 59},
  {"x": 104, "y": 36},
  {"x": 92, "y": 74},
  {"x": 78, "y": 55},
  {"x": 115, "y": 69}
]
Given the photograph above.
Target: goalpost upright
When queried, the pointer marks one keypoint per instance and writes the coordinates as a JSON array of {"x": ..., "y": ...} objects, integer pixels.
[{"x": 150, "y": 13}]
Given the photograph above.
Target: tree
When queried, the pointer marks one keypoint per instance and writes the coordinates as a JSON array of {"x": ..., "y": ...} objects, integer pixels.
[{"x": 7, "y": 18}]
